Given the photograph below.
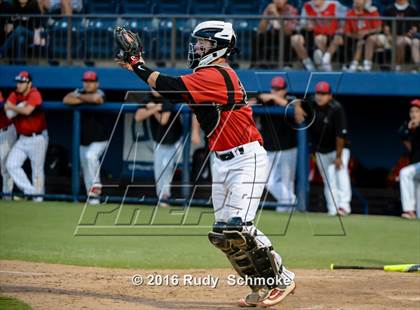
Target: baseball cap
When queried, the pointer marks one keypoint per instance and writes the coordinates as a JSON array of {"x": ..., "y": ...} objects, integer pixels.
[
  {"x": 23, "y": 76},
  {"x": 416, "y": 103},
  {"x": 323, "y": 88},
  {"x": 278, "y": 82},
  {"x": 90, "y": 76}
]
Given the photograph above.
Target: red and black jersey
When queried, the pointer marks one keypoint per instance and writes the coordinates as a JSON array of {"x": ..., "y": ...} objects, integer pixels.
[
  {"x": 354, "y": 26},
  {"x": 328, "y": 9},
  {"x": 33, "y": 123},
  {"x": 219, "y": 88}
]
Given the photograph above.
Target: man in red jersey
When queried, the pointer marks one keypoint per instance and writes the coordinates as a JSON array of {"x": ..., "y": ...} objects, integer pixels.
[
  {"x": 324, "y": 32},
  {"x": 7, "y": 139},
  {"x": 239, "y": 165},
  {"x": 360, "y": 31},
  {"x": 24, "y": 104}
]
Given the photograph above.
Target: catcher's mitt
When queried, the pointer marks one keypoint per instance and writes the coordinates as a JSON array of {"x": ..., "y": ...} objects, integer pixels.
[{"x": 129, "y": 45}]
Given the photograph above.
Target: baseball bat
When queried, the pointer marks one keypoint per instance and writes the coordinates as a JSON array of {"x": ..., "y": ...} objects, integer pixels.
[{"x": 397, "y": 268}]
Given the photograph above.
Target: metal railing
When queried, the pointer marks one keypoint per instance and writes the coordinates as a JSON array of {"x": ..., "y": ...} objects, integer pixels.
[
  {"x": 187, "y": 186},
  {"x": 89, "y": 39}
]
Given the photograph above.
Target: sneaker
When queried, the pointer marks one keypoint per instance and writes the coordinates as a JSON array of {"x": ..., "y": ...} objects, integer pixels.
[
  {"x": 267, "y": 297},
  {"x": 409, "y": 215},
  {"x": 318, "y": 57},
  {"x": 353, "y": 66},
  {"x": 37, "y": 199},
  {"x": 308, "y": 64},
  {"x": 367, "y": 65},
  {"x": 342, "y": 212},
  {"x": 93, "y": 201},
  {"x": 276, "y": 295}
]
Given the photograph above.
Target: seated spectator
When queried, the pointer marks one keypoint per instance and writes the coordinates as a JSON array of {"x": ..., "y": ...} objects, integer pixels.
[
  {"x": 166, "y": 130},
  {"x": 95, "y": 134},
  {"x": 23, "y": 106},
  {"x": 265, "y": 47},
  {"x": 406, "y": 31},
  {"x": 20, "y": 29},
  {"x": 410, "y": 175},
  {"x": 64, "y": 7},
  {"x": 325, "y": 34},
  {"x": 359, "y": 31}
]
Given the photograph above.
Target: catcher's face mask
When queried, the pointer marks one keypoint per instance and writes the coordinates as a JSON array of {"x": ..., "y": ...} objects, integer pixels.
[{"x": 197, "y": 49}]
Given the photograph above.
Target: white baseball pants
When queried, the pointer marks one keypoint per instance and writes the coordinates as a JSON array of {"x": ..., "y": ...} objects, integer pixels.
[
  {"x": 7, "y": 140},
  {"x": 34, "y": 148},
  {"x": 165, "y": 158},
  {"x": 410, "y": 188},
  {"x": 237, "y": 187},
  {"x": 282, "y": 170},
  {"x": 90, "y": 162},
  {"x": 337, "y": 186}
]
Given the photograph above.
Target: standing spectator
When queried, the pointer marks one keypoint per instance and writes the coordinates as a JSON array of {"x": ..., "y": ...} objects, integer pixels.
[
  {"x": 95, "y": 134},
  {"x": 325, "y": 34},
  {"x": 64, "y": 7},
  {"x": 280, "y": 144},
  {"x": 7, "y": 139},
  {"x": 20, "y": 29},
  {"x": 406, "y": 30},
  {"x": 268, "y": 33},
  {"x": 23, "y": 105},
  {"x": 329, "y": 141},
  {"x": 166, "y": 131},
  {"x": 358, "y": 31},
  {"x": 410, "y": 175}
]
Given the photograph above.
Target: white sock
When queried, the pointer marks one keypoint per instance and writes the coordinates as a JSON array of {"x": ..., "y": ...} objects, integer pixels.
[
  {"x": 367, "y": 65},
  {"x": 326, "y": 58},
  {"x": 309, "y": 65}
]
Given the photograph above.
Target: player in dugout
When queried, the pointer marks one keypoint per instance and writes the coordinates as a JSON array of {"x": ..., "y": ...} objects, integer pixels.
[
  {"x": 410, "y": 175},
  {"x": 7, "y": 139},
  {"x": 328, "y": 136},
  {"x": 95, "y": 133},
  {"x": 23, "y": 106},
  {"x": 280, "y": 143}
]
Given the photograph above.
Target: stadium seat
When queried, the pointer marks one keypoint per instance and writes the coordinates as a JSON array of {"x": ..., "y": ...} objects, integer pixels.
[
  {"x": 243, "y": 7},
  {"x": 101, "y": 7},
  {"x": 99, "y": 43},
  {"x": 207, "y": 7},
  {"x": 137, "y": 7},
  {"x": 58, "y": 39},
  {"x": 147, "y": 28},
  {"x": 172, "y": 7}
]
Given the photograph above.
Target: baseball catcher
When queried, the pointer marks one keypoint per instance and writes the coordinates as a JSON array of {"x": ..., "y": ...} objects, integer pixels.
[{"x": 239, "y": 165}]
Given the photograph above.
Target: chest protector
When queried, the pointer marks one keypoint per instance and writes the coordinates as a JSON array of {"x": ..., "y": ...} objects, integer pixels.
[{"x": 209, "y": 113}]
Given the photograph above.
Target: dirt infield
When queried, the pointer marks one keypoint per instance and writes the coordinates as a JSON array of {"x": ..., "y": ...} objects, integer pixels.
[{"x": 50, "y": 286}]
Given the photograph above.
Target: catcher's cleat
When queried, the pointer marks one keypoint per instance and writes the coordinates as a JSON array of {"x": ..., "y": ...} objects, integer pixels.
[{"x": 266, "y": 298}]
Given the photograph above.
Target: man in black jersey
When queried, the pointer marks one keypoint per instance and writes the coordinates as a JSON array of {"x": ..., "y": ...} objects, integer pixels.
[{"x": 328, "y": 134}]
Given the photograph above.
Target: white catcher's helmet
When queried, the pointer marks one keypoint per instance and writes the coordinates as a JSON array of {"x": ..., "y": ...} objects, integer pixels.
[{"x": 221, "y": 38}]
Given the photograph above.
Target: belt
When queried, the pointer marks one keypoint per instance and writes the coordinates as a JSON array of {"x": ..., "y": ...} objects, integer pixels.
[
  {"x": 229, "y": 155},
  {"x": 32, "y": 134}
]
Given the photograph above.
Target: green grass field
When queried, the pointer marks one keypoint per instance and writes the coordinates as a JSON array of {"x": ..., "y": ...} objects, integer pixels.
[
  {"x": 12, "y": 304},
  {"x": 46, "y": 233}
]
